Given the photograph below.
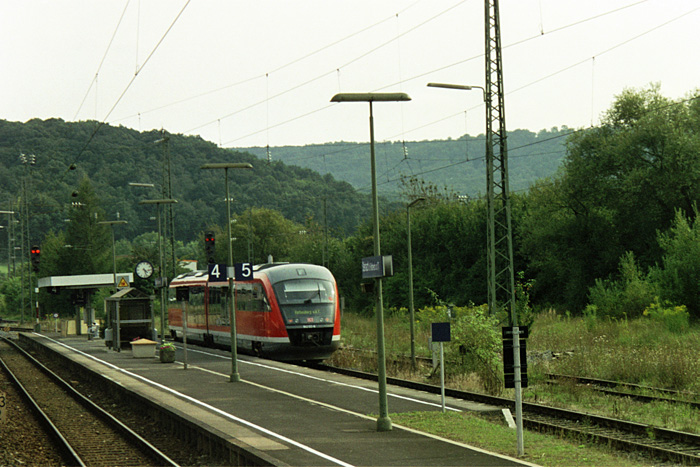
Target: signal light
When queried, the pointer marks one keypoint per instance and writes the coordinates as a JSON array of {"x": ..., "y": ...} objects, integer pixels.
[
  {"x": 35, "y": 257},
  {"x": 210, "y": 247}
]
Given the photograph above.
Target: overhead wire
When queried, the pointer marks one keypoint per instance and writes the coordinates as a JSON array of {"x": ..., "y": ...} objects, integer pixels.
[
  {"x": 460, "y": 62},
  {"x": 104, "y": 56},
  {"x": 131, "y": 81},
  {"x": 325, "y": 74},
  {"x": 274, "y": 70}
]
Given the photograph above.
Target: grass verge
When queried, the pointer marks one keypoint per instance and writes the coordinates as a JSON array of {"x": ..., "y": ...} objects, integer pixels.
[{"x": 540, "y": 449}]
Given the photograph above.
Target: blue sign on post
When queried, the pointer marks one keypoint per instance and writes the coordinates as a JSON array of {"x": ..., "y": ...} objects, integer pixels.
[
  {"x": 440, "y": 332},
  {"x": 243, "y": 271},
  {"x": 217, "y": 273}
]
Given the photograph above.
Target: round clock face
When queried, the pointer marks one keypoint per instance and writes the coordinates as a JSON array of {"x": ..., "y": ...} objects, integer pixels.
[{"x": 144, "y": 269}]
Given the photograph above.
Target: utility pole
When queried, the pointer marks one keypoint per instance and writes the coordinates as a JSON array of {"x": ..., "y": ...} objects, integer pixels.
[
  {"x": 169, "y": 222},
  {"x": 501, "y": 276}
]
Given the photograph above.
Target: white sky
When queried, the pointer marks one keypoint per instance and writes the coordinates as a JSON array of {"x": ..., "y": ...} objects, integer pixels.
[{"x": 263, "y": 72}]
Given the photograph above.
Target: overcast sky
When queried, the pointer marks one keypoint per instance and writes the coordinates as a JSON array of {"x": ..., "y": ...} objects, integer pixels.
[{"x": 262, "y": 72}]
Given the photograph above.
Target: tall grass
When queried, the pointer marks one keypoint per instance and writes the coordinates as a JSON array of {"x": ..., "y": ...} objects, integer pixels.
[{"x": 642, "y": 351}]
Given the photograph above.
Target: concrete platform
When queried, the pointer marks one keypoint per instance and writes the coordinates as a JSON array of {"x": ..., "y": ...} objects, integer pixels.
[{"x": 284, "y": 414}]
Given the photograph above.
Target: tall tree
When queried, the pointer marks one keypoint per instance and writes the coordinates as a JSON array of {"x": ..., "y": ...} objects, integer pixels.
[
  {"x": 88, "y": 243},
  {"x": 620, "y": 185}
]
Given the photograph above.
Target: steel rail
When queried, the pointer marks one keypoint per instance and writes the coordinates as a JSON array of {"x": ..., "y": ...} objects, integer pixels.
[
  {"x": 662, "y": 443},
  {"x": 68, "y": 453},
  {"x": 128, "y": 433}
]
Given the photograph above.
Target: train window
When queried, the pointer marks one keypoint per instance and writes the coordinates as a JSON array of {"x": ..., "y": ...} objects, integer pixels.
[
  {"x": 251, "y": 297},
  {"x": 304, "y": 291},
  {"x": 196, "y": 304},
  {"x": 214, "y": 295}
]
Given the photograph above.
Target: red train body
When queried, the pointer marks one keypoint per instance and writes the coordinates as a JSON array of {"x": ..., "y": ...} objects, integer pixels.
[{"x": 285, "y": 312}]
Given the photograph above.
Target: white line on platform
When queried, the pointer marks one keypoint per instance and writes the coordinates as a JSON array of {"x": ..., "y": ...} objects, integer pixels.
[
  {"x": 207, "y": 406},
  {"x": 354, "y": 386}
]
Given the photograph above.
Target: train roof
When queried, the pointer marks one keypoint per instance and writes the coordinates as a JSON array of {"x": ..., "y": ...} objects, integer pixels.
[{"x": 276, "y": 272}]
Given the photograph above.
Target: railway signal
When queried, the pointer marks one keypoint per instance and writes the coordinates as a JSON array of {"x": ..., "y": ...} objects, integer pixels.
[
  {"x": 35, "y": 257},
  {"x": 209, "y": 247}
]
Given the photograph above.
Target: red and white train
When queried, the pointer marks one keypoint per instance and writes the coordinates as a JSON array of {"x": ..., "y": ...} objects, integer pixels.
[{"x": 287, "y": 311}]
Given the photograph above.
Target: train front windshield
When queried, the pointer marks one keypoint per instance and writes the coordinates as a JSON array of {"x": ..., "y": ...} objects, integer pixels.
[{"x": 306, "y": 301}]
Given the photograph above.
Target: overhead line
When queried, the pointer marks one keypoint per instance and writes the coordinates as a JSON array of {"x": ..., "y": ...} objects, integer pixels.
[
  {"x": 133, "y": 78},
  {"x": 444, "y": 67},
  {"x": 275, "y": 70},
  {"x": 99, "y": 67}
]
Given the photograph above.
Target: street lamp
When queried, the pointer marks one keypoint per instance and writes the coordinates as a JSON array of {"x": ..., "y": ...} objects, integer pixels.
[
  {"x": 111, "y": 224},
  {"x": 235, "y": 376},
  {"x": 462, "y": 87},
  {"x": 491, "y": 264},
  {"x": 410, "y": 279},
  {"x": 383, "y": 422},
  {"x": 163, "y": 282},
  {"x": 9, "y": 242}
]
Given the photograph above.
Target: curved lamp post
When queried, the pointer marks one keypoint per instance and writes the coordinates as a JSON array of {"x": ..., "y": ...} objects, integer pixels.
[
  {"x": 491, "y": 264},
  {"x": 163, "y": 283},
  {"x": 383, "y": 422},
  {"x": 235, "y": 376}
]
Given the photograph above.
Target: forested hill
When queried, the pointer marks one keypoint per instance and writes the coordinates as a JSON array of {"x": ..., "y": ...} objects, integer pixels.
[
  {"x": 457, "y": 165},
  {"x": 65, "y": 153}
]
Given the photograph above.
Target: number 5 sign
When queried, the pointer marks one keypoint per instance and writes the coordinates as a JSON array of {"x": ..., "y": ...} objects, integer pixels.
[
  {"x": 243, "y": 271},
  {"x": 217, "y": 273}
]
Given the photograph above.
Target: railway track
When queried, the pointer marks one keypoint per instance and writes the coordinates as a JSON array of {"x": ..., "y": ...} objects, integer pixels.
[
  {"x": 659, "y": 443},
  {"x": 632, "y": 391},
  {"x": 85, "y": 433}
]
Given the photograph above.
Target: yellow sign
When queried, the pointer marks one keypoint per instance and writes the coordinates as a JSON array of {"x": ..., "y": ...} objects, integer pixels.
[{"x": 123, "y": 283}]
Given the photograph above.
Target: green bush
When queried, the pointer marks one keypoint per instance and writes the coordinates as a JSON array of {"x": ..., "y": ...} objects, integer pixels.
[
  {"x": 674, "y": 318},
  {"x": 475, "y": 345},
  {"x": 626, "y": 297}
]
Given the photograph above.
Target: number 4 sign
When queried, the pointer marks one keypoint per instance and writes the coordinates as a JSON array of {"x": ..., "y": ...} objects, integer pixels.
[
  {"x": 243, "y": 271},
  {"x": 217, "y": 273}
]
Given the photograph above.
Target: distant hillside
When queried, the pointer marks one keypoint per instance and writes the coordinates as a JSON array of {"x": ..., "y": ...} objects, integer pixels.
[
  {"x": 456, "y": 164},
  {"x": 115, "y": 156}
]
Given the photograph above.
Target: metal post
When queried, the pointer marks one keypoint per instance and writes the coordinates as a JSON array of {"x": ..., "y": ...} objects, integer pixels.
[
  {"x": 383, "y": 422},
  {"x": 410, "y": 280},
  {"x": 184, "y": 331},
  {"x": 161, "y": 272},
  {"x": 235, "y": 376},
  {"x": 442, "y": 375},
  {"x": 163, "y": 277}
]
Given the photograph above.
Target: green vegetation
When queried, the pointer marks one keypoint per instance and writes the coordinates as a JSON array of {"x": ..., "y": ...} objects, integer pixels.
[
  {"x": 495, "y": 437},
  {"x": 646, "y": 351},
  {"x": 455, "y": 163},
  {"x": 612, "y": 235}
]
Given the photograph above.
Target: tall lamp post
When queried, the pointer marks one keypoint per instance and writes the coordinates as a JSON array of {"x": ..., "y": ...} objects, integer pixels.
[
  {"x": 162, "y": 279},
  {"x": 383, "y": 422},
  {"x": 491, "y": 247},
  {"x": 235, "y": 376},
  {"x": 9, "y": 238},
  {"x": 410, "y": 279},
  {"x": 111, "y": 224}
]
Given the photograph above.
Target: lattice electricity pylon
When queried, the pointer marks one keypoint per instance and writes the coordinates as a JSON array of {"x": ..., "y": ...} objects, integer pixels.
[{"x": 501, "y": 277}]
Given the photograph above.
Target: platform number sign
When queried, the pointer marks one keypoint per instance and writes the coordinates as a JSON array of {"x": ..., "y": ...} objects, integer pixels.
[
  {"x": 3, "y": 407},
  {"x": 218, "y": 273},
  {"x": 243, "y": 271}
]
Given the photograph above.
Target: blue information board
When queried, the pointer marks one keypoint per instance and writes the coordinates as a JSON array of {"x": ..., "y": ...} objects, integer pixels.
[{"x": 440, "y": 332}]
